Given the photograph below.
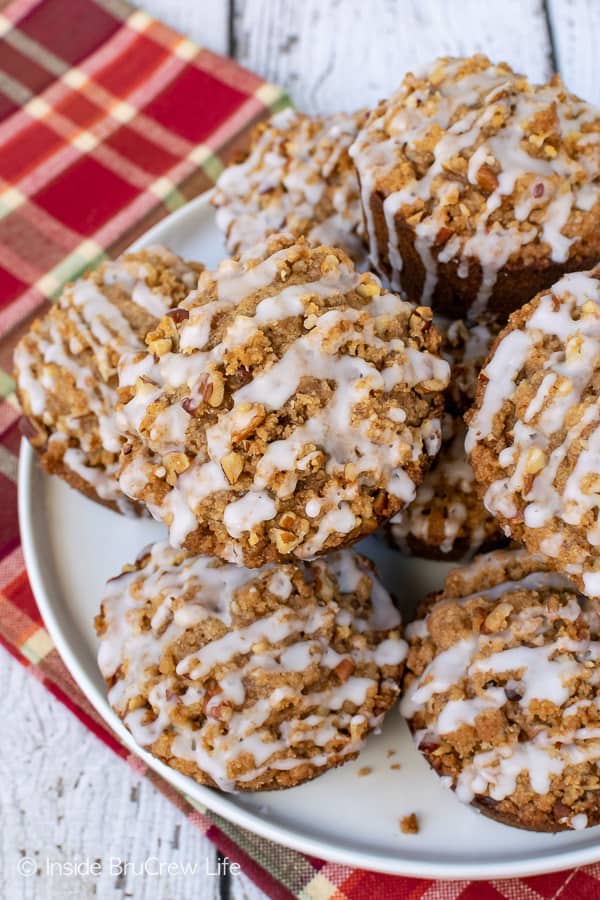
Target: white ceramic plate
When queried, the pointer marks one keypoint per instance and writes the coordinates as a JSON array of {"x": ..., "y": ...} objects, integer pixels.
[{"x": 72, "y": 546}]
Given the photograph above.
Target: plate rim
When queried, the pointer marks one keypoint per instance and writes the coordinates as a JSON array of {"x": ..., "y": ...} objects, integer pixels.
[{"x": 220, "y": 803}]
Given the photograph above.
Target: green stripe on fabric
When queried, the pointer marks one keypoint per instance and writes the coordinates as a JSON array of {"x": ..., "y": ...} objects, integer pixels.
[
  {"x": 14, "y": 89},
  {"x": 174, "y": 200},
  {"x": 280, "y": 102},
  {"x": 7, "y": 384},
  {"x": 213, "y": 166},
  {"x": 289, "y": 867},
  {"x": 199, "y": 807},
  {"x": 117, "y": 8},
  {"x": 35, "y": 51}
]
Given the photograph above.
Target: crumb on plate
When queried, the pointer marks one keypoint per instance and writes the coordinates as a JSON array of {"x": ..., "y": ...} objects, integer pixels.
[{"x": 409, "y": 824}]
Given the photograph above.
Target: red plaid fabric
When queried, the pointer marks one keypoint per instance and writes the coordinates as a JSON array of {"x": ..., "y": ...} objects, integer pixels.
[{"x": 108, "y": 121}]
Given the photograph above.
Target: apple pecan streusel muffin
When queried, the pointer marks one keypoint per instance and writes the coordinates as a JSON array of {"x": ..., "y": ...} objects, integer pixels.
[
  {"x": 502, "y": 692},
  {"x": 288, "y": 407},
  {"x": 479, "y": 188},
  {"x": 66, "y": 365},
  {"x": 447, "y": 519},
  {"x": 250, "y": 679},
  {"x": 297, "y": 178},
  {"x": 534, "y": 431},
  {"x": 465, "y": 346}
]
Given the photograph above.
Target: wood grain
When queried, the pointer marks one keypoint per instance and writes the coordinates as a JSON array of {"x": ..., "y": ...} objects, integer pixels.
[
  {"x": 575, "y": 28},
  {"x": 65, "y": 798},
  {"x": 204, "y": 21},
  {"x": 341, "y": 55}
]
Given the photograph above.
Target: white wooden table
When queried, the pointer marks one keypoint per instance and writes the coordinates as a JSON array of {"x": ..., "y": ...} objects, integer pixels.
[{"x": 63, "y": 796}]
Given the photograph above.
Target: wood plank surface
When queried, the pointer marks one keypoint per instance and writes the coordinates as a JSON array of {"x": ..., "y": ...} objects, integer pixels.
[
  {"x": 575, "y": 26},
  {"x": 342, "y": 55},
  {"x": 64, "y": 798},
  {"x": 204, "y": 21}
]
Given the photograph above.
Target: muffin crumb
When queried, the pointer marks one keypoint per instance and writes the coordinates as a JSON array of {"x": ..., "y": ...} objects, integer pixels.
[
  {"x": 409, "y": 824},
  {"x": 66, "y": 365}
]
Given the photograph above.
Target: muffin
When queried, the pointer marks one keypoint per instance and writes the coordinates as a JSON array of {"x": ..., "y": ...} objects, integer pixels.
[
  {"x": 479, "y": 188},
  {"x": 465, "y": 346},
  {"x": 533, "y": 435},
  {"x": 66, "y": 365},
  {"x": 289, "y": 408},
  {"x": 297, "y": 178},
  {"x": 249, "y": 680},
  {"x": 447, "y": 519},
  {"x": 502, "y": 692}
]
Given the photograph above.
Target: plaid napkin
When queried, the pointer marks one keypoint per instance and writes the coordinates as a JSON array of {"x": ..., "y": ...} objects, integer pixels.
[{"x": 108, "y": 121}]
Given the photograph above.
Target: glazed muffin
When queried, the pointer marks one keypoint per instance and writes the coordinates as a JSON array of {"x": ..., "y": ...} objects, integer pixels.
[
  {"x": 465, "y": 346},
  {"x": 250, "y": 680},
  {"x": 297, "y": 178},
  {"x": 292, "y": 407},
  {"x": 447, "y": 519},
  {"x": 66, "y": 365},
  {"x": 533, "y": 432},
  {"x": 479, "y": 188},
  {"x": 502, "y": 692}
]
